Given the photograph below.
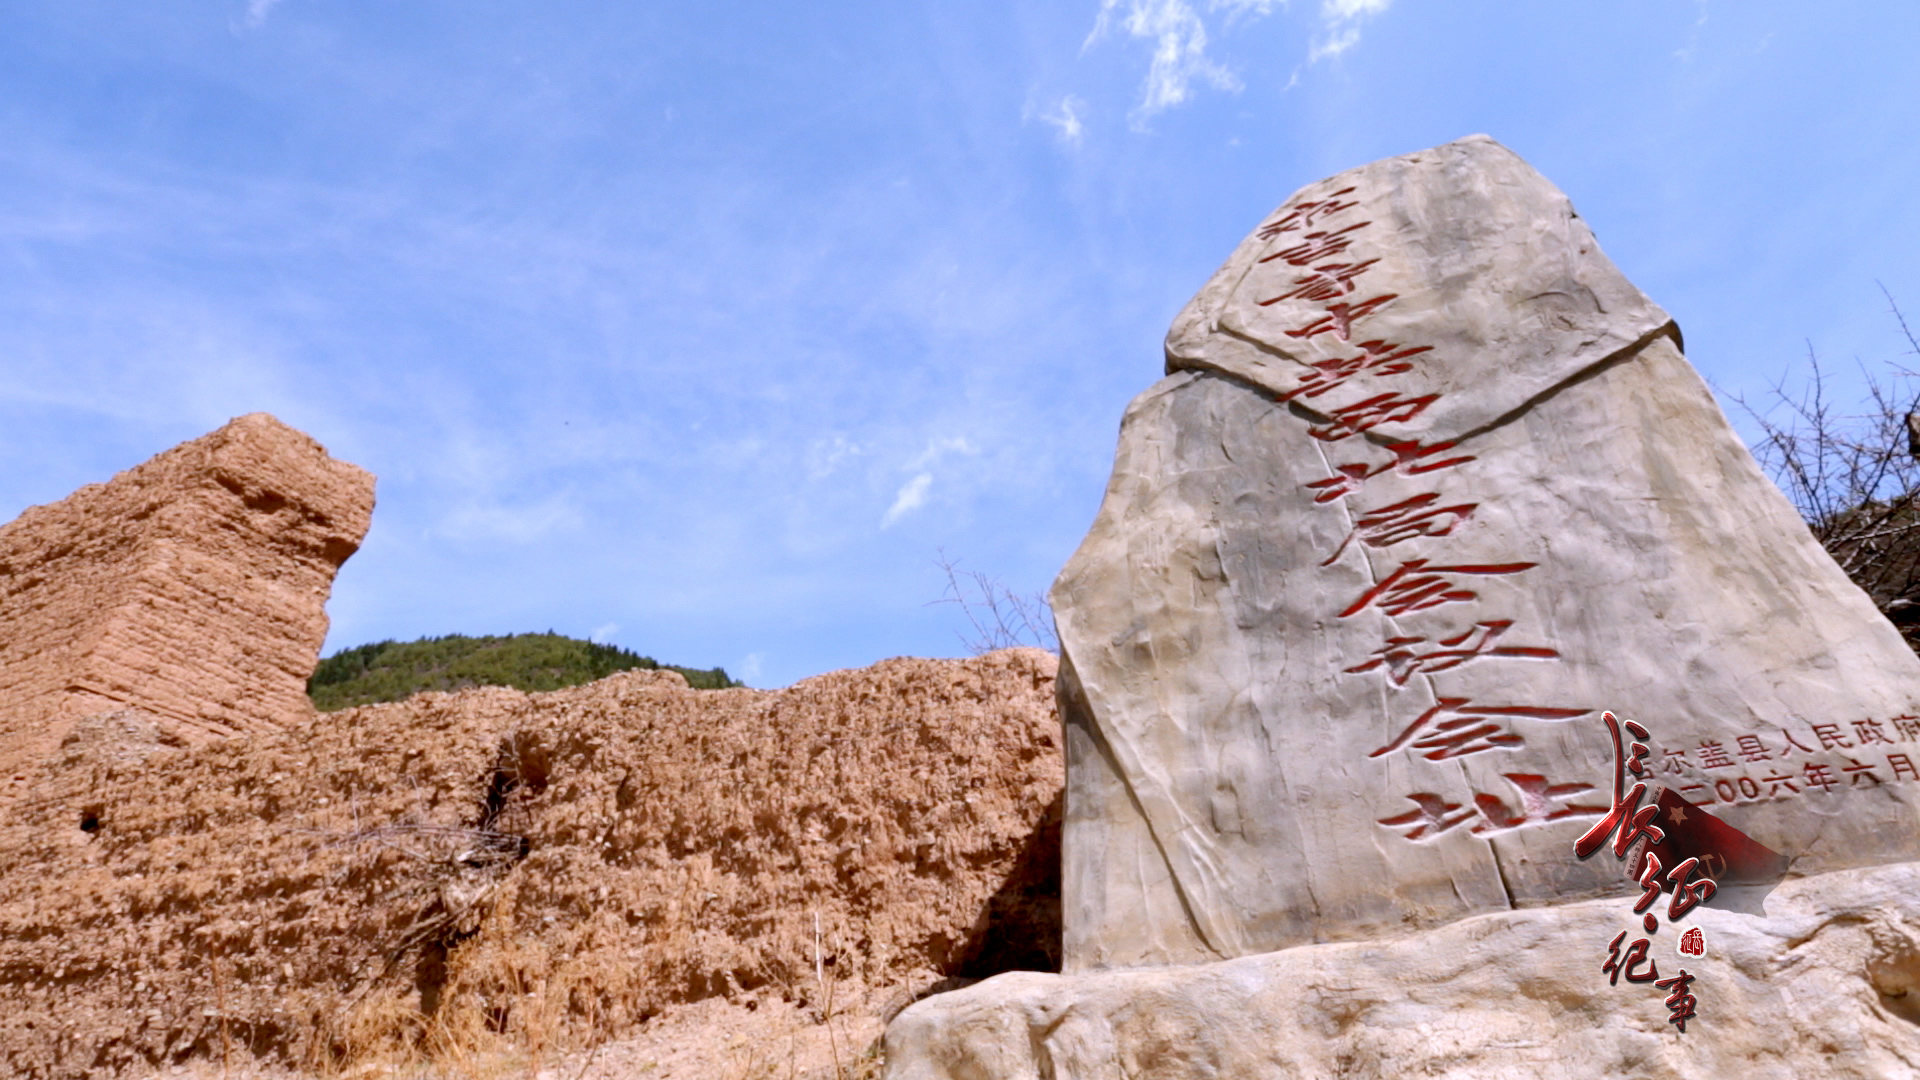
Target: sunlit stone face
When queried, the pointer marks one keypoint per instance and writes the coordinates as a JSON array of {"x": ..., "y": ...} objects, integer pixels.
[{"x": 1429, "y": 487}]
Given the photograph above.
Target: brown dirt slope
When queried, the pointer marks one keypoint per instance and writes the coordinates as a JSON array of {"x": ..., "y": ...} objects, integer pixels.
[
  {"x": 192, "y": 587},
  {"x": 484, "y": 868}
]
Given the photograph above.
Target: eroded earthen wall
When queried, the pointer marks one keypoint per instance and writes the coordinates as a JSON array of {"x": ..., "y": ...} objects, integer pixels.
[
  {"x": 192, "y": 588},
  {"x": 496, "y": 866}
]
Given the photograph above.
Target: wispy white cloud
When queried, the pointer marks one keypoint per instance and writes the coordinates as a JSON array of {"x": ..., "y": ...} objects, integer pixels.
[
  {"x": 913, "y": 495},
  {"x": 1065, "y": 115},
  {"x": 1247, "y": 8},
  {"x": 512, "y": 524},
  {"x": 1333, "y": 44},
  {"x": 1340, "y": 26},
  {"x": 1179, "y": 37},
  {"x": 826, "y": 455},
  {"x": 257, "y": 12},
  {"x": 749, "y": 668},
  {"x": 1352, "y": 9},
  {"x": 939, "y": 448},
  {"x": 604, "y": 632},
  {"x": 1178, "y": 31}
]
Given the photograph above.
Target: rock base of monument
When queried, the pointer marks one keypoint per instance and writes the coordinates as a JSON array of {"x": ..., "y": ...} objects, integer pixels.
[{"x": 1824, "y": 984}]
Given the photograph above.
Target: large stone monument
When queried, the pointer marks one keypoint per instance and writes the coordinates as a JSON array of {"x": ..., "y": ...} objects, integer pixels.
[{"x": 1429, "y": 485}]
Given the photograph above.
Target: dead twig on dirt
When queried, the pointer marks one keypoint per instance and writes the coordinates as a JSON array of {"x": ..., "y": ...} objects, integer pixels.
[{"x": 477, "y": 846}]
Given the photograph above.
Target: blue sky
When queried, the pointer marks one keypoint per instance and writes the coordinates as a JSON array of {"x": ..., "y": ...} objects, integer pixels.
[{"x": 703, "y": 328}]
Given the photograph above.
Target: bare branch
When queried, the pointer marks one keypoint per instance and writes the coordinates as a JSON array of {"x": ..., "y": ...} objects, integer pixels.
[
  {"x": 1900, "y": 318},
  {"x": 1854, "y": 478},
  {"x": 1000, "y": 617}
]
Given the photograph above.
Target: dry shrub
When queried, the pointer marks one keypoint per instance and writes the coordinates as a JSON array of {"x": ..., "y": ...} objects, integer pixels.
[
  {"x": 463, "y": 876},
  {"x": 1000, "y": 617},
  {"x": 1854, "y": 476}
]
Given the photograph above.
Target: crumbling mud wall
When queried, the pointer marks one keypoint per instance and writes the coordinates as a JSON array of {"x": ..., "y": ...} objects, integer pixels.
[
  {"x": 192, "y": 588},
  {"x": 489, "y": 865}
]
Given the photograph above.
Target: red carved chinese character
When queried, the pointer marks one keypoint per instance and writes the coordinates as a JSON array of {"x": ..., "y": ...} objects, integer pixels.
[
  {"x": 1363, "y": 416},
  {"x": 1404, "y": 520},
  {"x": 1415, "y": 586},
  {"x": 1405, "y": 454},
  {"x": 1627, "y": 821},
  {"x": 1870, "y": 731},
  {"x": 1431, "y": 817},
  {"x": 1381, "y": 358},
  {"x": 1859, "y": 772},
  {"x": 1339, "y": 318},
  {"x": 1390, "y": 358},
  {"x": 1402, "y": 660},
  {"x": 1318, "y": 245},
  {"x": 1679, "y": 1003},
  {"x": 1674, "y": 761},
  {"x": 1819, "y": 774},
  {"x": 1777, "y": 780},
  {"x": 1323, "y": 282},
  {"x": 1324, "y": 375},
  {"x": 1900, "y": 763},
  {"x": 1751, "y": 749},
  {"x": 1830, "y": 737},
  {"x": 1305, "y": 214},
  {"x": 1794, "y": 743},
  {"x": 1536, "y": 804},
  {"x": 1712, "y": 756},
  {"x": 1406, "y": 459},
  {"x": 1907, "y": 726},
  {"x": 1692, "y": 943},
  {"x": 1466, "y": 732},
  {"x": 1346, "y": 481}
]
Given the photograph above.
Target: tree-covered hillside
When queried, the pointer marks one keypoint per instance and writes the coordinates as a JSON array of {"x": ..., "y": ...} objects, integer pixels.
[{"x": 392, "y": 671}]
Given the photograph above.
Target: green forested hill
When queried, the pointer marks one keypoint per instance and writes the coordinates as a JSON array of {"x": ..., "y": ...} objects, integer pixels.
[{"x": 391, "y": 671}]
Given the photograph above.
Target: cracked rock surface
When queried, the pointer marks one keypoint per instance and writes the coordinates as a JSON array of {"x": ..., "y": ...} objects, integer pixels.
[{"x": 1823, "y": 985}]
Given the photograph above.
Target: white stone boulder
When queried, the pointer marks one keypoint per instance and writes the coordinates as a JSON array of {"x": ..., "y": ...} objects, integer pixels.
[
  {"x": 1430, "y": 485},
  {"x": 1825, "y": 986}
]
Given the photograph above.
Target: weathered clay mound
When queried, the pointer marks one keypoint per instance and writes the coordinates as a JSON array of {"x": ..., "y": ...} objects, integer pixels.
[
  {"x": 495, "y": 866},
  {"x": 192, "y": 587}
]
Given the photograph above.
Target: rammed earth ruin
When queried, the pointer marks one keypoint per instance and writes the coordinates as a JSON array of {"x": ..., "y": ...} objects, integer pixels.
[
  {"x": 198, "y": 871},
  {"x": 191, "y": 588}
]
